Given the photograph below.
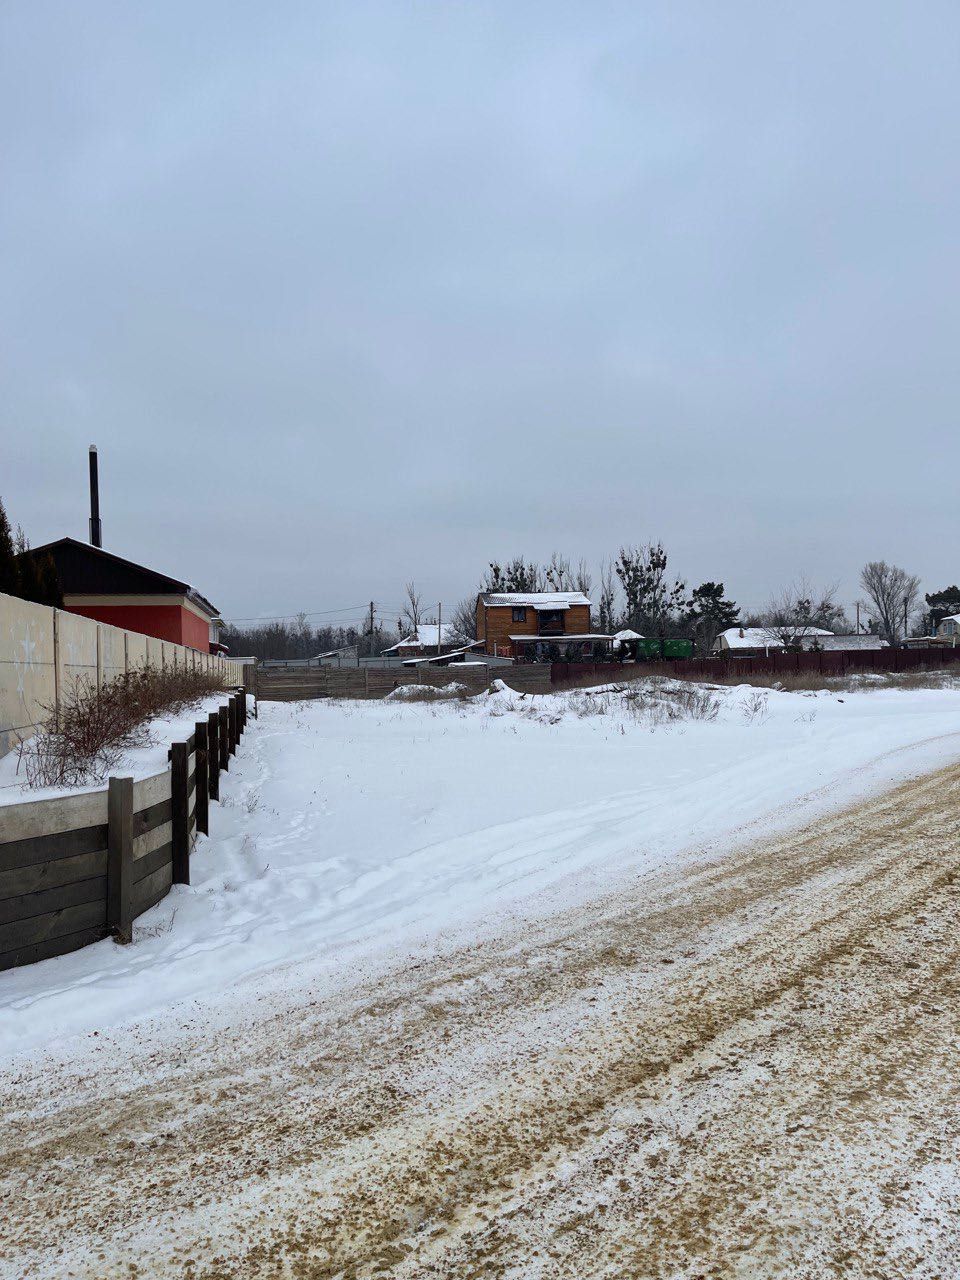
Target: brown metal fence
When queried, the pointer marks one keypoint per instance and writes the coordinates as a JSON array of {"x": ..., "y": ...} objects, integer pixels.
[{"x": 778, "y": 664}]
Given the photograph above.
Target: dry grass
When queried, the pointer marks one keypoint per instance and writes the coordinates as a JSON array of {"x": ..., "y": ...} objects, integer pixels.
[
  {"x": 653, "y": 701},
  {"x": 95, "y": 727}
]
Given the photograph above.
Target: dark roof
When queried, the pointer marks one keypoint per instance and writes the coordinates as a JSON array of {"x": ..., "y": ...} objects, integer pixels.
[{"x": 87, "y": 570}]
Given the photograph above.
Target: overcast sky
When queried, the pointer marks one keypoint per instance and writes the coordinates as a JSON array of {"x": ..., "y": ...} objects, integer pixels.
[{"x": 353, "y": 293}]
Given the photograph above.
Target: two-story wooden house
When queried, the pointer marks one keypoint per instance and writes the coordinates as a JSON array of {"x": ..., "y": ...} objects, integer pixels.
[{"x": 538, "y": 625}]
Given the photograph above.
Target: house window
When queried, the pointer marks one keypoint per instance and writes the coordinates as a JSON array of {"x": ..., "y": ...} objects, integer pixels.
[
  {"x": 520, "y": 615},
  {"x": 551, "y": 622}
]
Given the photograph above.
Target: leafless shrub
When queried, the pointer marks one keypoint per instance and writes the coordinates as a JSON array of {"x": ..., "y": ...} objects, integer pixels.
[
  {"x": 656, "y": 700},
  {"x": 94, "y": 727},
  {"x": 754, "y": 710}
]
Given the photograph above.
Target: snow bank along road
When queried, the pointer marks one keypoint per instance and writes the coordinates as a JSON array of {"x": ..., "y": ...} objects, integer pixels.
[{"x": 745, "y": 1067}]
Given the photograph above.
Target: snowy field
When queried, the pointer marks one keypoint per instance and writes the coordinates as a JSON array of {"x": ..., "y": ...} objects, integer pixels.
[{"x": 349, "y": 830}]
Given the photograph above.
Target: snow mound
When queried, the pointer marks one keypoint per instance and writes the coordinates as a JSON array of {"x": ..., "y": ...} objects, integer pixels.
[{"x": 426, "y": 692}]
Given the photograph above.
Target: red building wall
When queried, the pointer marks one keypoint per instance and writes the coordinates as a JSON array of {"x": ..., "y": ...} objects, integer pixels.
[{"x": 165, "y": 621}]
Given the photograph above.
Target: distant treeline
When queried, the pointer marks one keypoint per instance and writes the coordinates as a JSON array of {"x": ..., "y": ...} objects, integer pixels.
[{"x": 298, "y": 639}]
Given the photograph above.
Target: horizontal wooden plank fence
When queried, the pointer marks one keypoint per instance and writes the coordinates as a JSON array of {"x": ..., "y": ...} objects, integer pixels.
[
  {"x": 76, "y": 869},
  {"x": 292, "y": 684}
]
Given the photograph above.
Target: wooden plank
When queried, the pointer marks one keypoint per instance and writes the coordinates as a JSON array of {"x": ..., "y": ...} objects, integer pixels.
[
  {"x": 152, "y": 840},
  {"x": 150, "y": 791},
  {"x": 213, "y": 734},
  {"x": 54, "y": 924},
  {"x": 32, "y": 952},
  {"x": 37, "y": 818},
  {"x": 152, "y": 889},
  {"x": 162, "y": 856},
  {"x": 48, "y": 875},
  {"x": 180, "y": 797},
  {"x": 65, "y": 844},
  {"x": 201, "y": 733},
  {"x": 232, "y": 714},
  {"x": 156, "y": 815},
  {"x": 47, "y": 900},
  {"x": 119, "y": 914},
  {"x": 224, "y": 734}
]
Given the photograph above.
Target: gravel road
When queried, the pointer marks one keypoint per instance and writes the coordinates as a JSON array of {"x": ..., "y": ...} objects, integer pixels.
[{"x": 748, "y": 1066}]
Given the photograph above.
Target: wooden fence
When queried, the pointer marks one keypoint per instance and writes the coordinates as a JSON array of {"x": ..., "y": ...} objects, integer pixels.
[
  {"x": 826, "y": 663},
  {"x": 291, "y": 684},
  {"x": 79, "y": 868}
]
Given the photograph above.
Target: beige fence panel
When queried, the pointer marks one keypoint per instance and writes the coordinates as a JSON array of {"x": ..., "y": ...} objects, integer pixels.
[
  {"x": 76, "y": 651},
  {"x": 27, "y": 668},
  {"x": 137, "y": 651},
  {"x": 112, "y": 653},
  {"x": 44, "y": 652}
]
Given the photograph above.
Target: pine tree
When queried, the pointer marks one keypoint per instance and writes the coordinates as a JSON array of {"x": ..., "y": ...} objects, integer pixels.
[
  {"x": 30, "y": 585},
  {"x": 9, "y": 569},
  {"x": 51, "y": 592},
  {"x": 710, "y": 613},
  {"x": 941, "y": 604}
]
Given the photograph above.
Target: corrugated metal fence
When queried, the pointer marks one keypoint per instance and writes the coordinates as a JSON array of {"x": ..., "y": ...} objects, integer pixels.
[{"x": 778, "y": 664}]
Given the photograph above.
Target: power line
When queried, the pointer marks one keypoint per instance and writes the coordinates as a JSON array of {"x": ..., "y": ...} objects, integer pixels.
[{"x": 316, "y": 613}]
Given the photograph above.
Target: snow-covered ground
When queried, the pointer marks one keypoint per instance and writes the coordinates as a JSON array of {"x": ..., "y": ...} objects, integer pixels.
[{"x": 348, "y": 830}]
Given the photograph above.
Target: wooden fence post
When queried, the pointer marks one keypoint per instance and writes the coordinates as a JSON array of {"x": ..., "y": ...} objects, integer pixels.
[
  {"x": 180, "y": 805},
  {"x": 200, "y": 735},
  {"x": 120, "y": 858},
  {"x": 213, "y": 748},
  {"x": 233, "y": 711},
  {"x": 224, "y": 714}
]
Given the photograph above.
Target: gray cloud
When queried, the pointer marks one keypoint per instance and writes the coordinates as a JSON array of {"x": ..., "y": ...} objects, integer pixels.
[{"x": 349, "y": 293}]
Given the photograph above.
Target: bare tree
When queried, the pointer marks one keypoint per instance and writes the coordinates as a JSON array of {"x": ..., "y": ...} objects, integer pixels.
[
  {"x": 557, "y": 572},
  {"x": 652, "y": 601},
  {"x": 413, "y": 609},
  {"x": 606, "y": 606},
  {"x": 799, "y": 611},
  {"x": 583, "y": 578},
  {"x": 515, "y": 576},
  {"x": 464, "y": 618},
  {"x": 892, "y": 596}
]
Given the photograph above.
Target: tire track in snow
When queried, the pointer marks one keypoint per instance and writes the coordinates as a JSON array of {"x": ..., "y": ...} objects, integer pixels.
[{"x": 742, "y": 1067}]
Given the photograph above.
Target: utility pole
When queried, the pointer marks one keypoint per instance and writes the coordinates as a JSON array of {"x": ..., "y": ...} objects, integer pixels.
[
  {"x": 905, "y": 621},
  {"x": 369, "y": 633},
  {"x": 439, "y": 626}
]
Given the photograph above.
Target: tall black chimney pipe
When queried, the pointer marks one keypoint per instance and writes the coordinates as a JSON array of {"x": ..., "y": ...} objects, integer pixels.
[{"x": 96, "y": 536}]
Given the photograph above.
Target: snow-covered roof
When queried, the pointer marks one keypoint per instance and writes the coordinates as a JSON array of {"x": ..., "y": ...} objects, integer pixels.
[
  {"x": 534, "y": 599},
  {"x": 951, "y": 617},
  {"x": 427, "y": 636},
  {"x": 627, "y": 634},
  {"x": 763, "y": 637},
  {"x": 841, "y": 644}
]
